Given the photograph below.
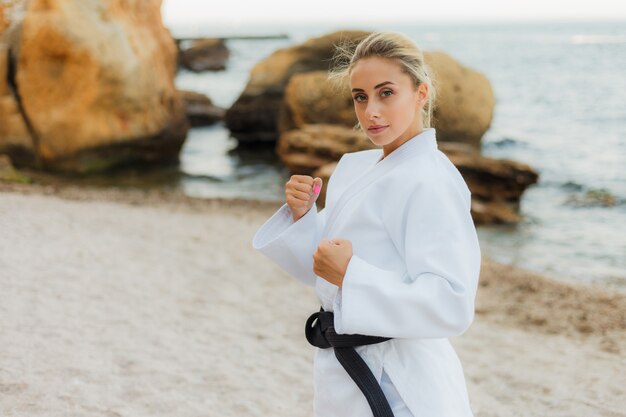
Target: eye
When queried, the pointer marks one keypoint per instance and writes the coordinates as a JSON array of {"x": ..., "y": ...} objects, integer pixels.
[{"x": 356, "y": 98}]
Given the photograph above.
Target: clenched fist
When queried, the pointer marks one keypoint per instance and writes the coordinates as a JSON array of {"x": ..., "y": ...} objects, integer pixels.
[
  {"x": 331, "y": 259},
  {"x": 301, "y": 192}
]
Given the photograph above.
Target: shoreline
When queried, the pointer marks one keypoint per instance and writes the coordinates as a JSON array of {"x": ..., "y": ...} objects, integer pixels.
[{"x": 145, "y": 302}]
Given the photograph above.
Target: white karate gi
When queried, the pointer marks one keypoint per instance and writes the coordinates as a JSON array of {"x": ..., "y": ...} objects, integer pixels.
[{"x": 413, "y": 275}]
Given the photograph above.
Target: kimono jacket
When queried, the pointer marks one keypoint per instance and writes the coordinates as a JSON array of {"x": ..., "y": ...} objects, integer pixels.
[{"x": 413, "y": 275}]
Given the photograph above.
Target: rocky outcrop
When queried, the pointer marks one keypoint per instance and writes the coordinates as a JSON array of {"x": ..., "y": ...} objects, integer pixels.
[
  {"x": 465, "y": 100},
  {"x": 310, "y": 98},
  {"x": 496, "y": 184},
  {"x": 200, "y": 109},
  {"x": 254, "y": 115},
  {"x": 91, "y": 84},
  {"x": 306, "y": 149},
  {"x": 298, "y": 75},
  {"x": 486, "y": 175},
  {"x": 204, "y": 55}
]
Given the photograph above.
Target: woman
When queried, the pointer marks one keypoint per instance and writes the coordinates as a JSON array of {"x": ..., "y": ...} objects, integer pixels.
[{"x": 394, "y": 253}]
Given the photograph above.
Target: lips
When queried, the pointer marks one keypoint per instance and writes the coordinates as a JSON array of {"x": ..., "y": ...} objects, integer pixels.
[{"x": 377, "y": 128}]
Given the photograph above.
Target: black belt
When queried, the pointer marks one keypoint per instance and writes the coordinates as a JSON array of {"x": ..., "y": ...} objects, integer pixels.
[{"x": 322, "y": 334}]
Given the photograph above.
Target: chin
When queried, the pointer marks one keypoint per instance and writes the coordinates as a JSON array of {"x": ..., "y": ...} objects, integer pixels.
[
  {"x": 374, "y": 138},
  {"x": 378, "y": 141},
  {"x": 374, "y": 141}
]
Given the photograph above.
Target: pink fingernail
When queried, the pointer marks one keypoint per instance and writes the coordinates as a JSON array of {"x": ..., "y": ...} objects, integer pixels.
[{"x": 316, "y": 188}]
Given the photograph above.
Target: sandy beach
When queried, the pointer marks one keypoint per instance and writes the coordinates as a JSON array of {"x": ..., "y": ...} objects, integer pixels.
[{"x": 144, "y": 303}]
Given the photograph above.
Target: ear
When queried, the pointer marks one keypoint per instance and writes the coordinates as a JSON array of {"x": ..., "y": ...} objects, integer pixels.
[{"x": 422, "y": 93}]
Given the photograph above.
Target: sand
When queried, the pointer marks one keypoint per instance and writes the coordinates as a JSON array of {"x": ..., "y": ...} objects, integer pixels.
[{"x": 142, "y": 303}]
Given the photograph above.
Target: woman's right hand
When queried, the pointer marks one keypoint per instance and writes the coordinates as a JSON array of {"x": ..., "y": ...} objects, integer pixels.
[{"x": 301, "y": 192}]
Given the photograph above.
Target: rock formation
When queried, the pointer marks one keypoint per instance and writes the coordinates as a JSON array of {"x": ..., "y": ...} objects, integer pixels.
[
  {"x": 204, "y": 55},
  {"x": 200, "y": 109},
  {"x": 88, "y": 84},
  {"x": 289, "y": 88},
  {"x": 254, "y": 115}
]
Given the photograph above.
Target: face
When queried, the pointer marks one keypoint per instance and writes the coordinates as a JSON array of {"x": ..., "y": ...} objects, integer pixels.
[{"x": 383, "y": 95}]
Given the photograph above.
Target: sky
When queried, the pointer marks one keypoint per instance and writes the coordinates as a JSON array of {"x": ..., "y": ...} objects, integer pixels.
[{"x": 239, "y": 12}]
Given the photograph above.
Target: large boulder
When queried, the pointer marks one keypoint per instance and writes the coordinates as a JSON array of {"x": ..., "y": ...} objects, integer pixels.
[
  {"x": 463, "y": 111},
  {"x": 254, "y": 115},
  {"x": 209, "y": 54},
  {"x": 310, "y": 98},
  {"x": 465, "y": 100},
  {"x": 93, "y": 82},
  {"x": 306, "y": 149},
  {"x": 200, "y": 109},
  {"x": 490, "y": 178},
  {"x": 496, "y": 184}
]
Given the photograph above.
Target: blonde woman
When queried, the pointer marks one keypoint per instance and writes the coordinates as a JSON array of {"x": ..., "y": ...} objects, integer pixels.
[{"x": 394, "y": 256}]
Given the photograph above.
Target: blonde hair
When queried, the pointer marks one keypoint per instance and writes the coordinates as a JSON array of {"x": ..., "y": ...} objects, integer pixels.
[{"x": 390, "y": 45}]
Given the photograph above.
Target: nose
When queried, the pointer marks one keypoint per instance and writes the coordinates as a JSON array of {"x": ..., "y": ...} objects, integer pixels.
[{"x": 372, "y": 110}]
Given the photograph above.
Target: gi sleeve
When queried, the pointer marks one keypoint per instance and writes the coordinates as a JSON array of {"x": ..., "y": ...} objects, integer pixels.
[
  {"x": 291, "y": 244},
  {"x": 434, "y": 297}
]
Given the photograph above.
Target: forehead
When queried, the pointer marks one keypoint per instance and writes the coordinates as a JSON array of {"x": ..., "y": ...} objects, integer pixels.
[{"x": 369, "y": 72}]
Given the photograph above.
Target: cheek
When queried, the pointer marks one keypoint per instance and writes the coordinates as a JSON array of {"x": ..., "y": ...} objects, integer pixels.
[
  {"x": 404, "y": 108},
  {"x": 357, "y": 110},
  {"x": 402, "y": 102}
]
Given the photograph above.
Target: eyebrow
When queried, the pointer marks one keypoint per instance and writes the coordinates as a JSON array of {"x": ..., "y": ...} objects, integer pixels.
[{"x": 375, "y": 87}]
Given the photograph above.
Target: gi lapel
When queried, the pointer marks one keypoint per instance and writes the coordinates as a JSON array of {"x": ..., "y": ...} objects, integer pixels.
[{"x": 418, "y": 144}]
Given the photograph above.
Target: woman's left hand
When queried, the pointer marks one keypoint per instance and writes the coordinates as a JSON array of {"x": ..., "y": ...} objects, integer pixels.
[{"x": 331, "y": 259}]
